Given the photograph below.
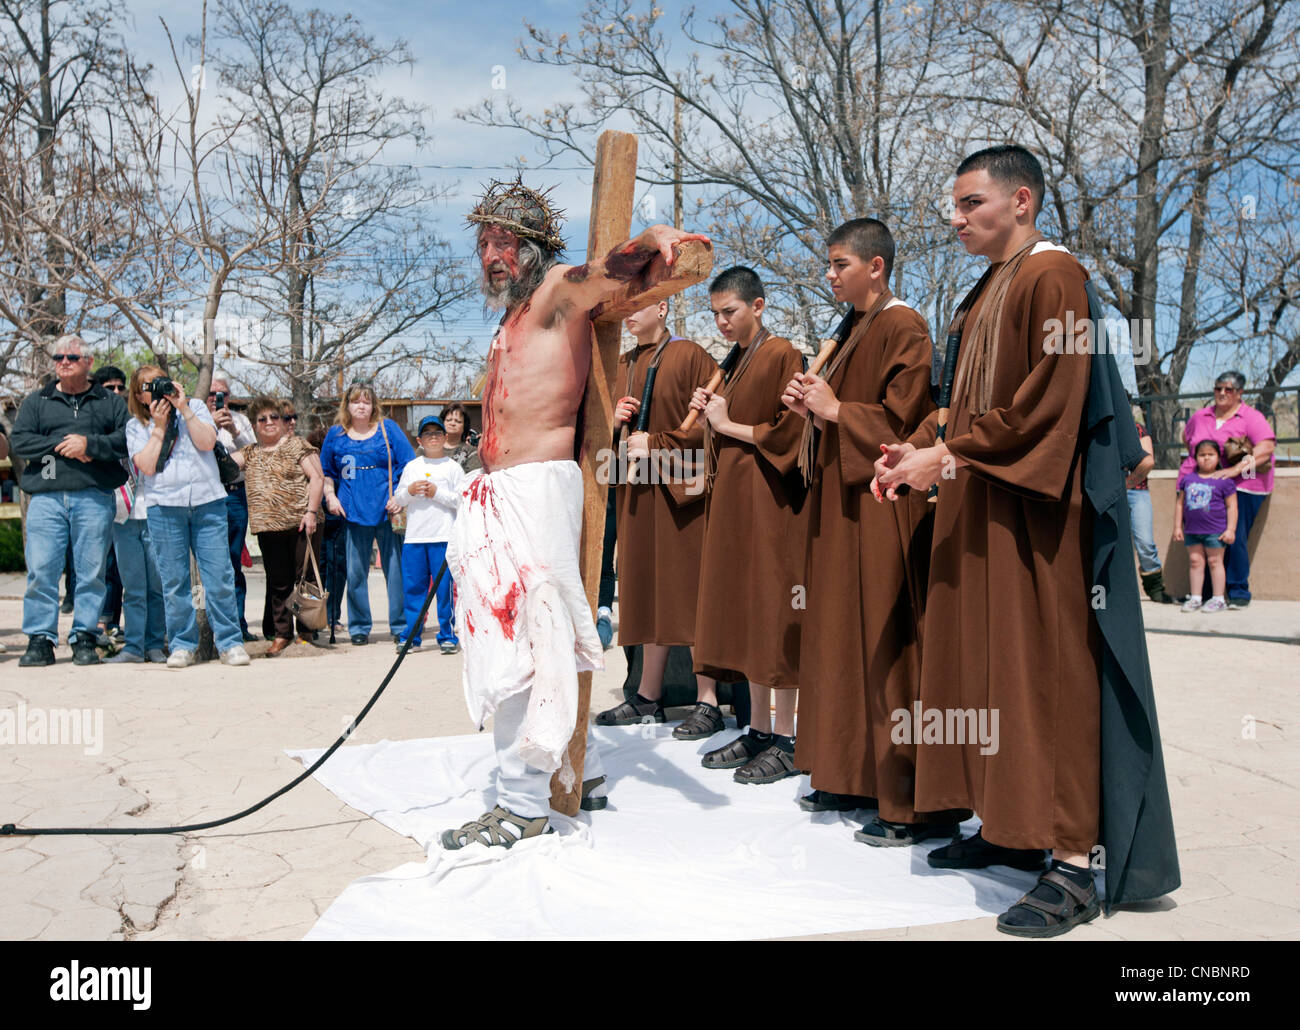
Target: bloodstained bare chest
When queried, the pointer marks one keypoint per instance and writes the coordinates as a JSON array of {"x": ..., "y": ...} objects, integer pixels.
[{"x": 533, "y": 385}]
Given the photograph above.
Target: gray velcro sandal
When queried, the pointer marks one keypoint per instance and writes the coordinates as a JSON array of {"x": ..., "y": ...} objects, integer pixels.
[{"x": 497, "y": 828}]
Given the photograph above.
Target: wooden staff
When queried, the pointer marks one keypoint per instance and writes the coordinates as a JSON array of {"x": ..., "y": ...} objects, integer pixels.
[
  {"x": 612, "y": 196},
  {"x": 945, "y": 397},
  {"x": 823, "y": 356},
  {"x": 828, "y": 346},
  {"x": 724, "y": 370},
  {"x": 643, "y": 412}
]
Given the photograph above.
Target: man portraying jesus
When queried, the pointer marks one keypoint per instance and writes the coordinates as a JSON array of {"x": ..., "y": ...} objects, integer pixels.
[{"x": 521, "y": 610}]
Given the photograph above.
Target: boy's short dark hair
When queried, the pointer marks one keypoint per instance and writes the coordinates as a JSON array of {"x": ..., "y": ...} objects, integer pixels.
[
  {"x": 867, "y": 238},
  {"x": 1011, "y": 166},
  {"x": 743, "y": 282}
]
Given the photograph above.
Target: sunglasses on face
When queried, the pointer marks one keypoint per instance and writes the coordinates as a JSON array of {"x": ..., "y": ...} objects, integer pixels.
[
  {"x": 66, "y": 357},
  {"x": 268, "y": 418},
  {"x": 1225, "y": 389},
  {"x": 115, "y": 387},
  {"x": 291, "y": 418}
]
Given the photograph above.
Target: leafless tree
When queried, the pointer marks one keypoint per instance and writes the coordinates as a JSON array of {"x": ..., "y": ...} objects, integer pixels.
[
  {"x": 1164, "y": 128},
  {"x": 360, "y": 276},
  {"x": 59, "y": 60},
  {"x": 796, "y": 116}
]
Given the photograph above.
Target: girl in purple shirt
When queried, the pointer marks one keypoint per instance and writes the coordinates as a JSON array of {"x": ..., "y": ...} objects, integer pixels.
[{"x": 1206, "y": 516}]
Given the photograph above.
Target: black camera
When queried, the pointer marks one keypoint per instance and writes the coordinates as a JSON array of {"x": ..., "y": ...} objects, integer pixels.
[
  {"x": 160, "y": 388},
  {"x": 219, "y": 399}
]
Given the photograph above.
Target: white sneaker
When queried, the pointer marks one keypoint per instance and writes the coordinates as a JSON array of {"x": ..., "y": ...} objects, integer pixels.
[
  {"x": 235, "y": 655},
  {"x": 157, "y": 655},
  {"x": 180, "y": 660},
  {"x": 1191, "y": 604}
]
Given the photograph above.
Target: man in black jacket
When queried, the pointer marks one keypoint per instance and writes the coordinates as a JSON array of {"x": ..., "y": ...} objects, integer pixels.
[{"x": 72, "y": 434}]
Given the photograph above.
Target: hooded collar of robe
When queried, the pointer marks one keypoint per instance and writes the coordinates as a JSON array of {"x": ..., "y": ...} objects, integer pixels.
[{"x": 1137, "y": 829}]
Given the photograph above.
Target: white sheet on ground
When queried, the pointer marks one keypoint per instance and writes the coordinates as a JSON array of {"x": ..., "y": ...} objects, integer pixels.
[{"x": 681, "y": 852}]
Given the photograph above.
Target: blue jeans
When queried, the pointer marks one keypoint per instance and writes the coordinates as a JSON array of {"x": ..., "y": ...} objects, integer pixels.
[
  {"x": 112, "y": 613},
  {"x": 175, "y": 531},
  {"x": 237, "y": 528},
  {"x": 359, "y": 539},
  {"x": 1144, "y": 531},
  {"x": 142, "y": 596},
  {"x": 420, "y": 563},
  {"x": 82, "y": 519},
  {"x": 1236, "y": 560}
]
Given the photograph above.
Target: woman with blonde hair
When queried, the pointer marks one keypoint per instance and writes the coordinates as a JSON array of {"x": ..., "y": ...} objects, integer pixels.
[
  {"x": 362, "y": 457},
  {"x": 170, "y": 439}
]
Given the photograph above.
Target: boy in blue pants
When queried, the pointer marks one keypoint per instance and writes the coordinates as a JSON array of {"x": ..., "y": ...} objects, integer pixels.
[{"x": 429, "y": 490}]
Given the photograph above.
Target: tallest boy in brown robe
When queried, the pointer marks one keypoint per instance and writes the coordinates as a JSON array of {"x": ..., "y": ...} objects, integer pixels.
[
  {"x": 1009, "y": 629},
  {"x": 860, "y": 659}
]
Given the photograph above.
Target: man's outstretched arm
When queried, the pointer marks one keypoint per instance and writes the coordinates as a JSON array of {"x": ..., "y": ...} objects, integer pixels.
[{"x": 582, "y": 287}]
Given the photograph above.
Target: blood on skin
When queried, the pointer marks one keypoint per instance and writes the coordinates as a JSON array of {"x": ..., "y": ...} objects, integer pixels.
[
  {"x": 490, "y": 446},
  {"x": 620, "y": 265}
]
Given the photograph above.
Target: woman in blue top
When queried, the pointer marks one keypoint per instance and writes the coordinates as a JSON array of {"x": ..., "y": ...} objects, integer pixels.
[{"x": 355, "y": 459}]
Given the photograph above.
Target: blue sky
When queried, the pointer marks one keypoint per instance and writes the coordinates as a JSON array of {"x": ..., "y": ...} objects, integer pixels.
[{"x": 456, "y": 47}]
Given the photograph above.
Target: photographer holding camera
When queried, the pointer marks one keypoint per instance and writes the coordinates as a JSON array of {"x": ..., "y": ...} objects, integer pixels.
[{"x": 171, "y": 441}]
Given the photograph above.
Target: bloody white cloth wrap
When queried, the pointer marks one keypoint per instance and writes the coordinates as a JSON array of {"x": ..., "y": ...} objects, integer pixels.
[{"x": 521, "y": 610}]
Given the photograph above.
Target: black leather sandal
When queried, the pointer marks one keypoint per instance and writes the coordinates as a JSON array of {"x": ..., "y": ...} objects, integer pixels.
[
  {"x": 1074, "y": 905},
  {"x": 977, "y": 853},
  {"x": 735, "y": 754},
  {"x": 825, "y": 801},
  {"x": 629, "y": 713},
  {"x": 768, "y": 766},
  {"x": 704, "y": 721},
  {"x": 880, "y": 833}
]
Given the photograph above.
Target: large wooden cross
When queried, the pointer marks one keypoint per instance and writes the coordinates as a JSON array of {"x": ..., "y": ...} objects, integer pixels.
[{"x": 613, "y": 193}]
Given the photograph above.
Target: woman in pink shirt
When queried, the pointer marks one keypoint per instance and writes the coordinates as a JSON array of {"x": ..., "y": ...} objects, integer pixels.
[{"x": 1228, "y": 417}]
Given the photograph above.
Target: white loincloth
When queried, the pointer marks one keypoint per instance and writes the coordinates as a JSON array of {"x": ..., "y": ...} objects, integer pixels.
[{"x": 521, "y": 610}]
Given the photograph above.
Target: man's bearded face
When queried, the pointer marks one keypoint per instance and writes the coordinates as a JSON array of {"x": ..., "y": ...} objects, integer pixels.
[{"x": 498, "y": 251}]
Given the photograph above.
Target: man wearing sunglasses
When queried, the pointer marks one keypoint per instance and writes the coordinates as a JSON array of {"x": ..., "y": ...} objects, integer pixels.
[{"x": 72, "y": 435}]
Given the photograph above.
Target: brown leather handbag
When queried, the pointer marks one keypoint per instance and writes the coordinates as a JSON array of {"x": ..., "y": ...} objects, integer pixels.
[{"x": 307, "y": 602}]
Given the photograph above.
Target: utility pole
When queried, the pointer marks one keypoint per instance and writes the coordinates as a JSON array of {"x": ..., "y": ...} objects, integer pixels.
[{"x": 679, "y": 309}]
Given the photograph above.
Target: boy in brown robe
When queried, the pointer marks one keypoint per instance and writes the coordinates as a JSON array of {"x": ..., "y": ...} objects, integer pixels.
[
  {"x": 660, "y": 509},
  {"x": 1009, "y": 629},
  {"x": 751, "y": 574},
  {"x": 860, "y": 661}
]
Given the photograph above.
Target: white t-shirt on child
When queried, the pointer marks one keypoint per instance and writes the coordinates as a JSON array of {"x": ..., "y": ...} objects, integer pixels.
[{"x": 429, "y": 519}]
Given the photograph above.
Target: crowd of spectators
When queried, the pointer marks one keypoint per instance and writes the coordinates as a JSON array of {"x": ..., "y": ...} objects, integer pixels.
[{"x": 131, "y": 483}]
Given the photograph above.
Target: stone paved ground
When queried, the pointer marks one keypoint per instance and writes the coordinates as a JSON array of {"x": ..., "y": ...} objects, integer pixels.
[{"x": 204, "y": 742}]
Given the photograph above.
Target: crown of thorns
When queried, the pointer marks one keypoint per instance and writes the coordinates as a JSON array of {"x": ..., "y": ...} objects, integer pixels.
[{"x": 525, "y": 212}]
